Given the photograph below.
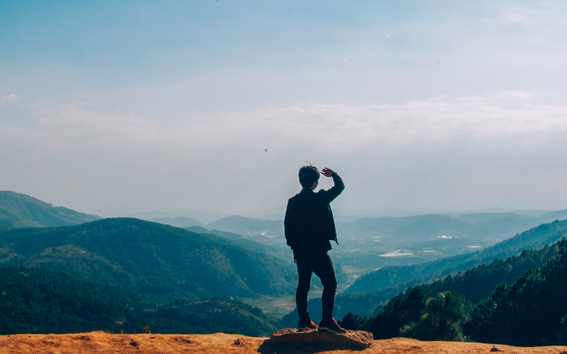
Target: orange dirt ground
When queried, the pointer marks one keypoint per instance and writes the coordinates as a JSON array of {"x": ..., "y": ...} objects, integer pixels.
[{"x": 100, "y": 342}]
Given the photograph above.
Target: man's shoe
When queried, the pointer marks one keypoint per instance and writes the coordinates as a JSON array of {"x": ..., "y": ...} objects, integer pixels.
[
  {"x": 331, "y": 326},
  {"x": 306, "y": 325}
]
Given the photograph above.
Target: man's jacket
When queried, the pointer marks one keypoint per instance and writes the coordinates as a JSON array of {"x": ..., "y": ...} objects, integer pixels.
[{"x": 309, "y": 223}]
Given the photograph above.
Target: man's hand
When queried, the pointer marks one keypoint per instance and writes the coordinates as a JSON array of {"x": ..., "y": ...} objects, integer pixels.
[{"x": 327, "y": 172}]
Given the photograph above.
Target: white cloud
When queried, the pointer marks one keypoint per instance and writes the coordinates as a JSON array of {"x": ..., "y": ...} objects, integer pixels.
[
  {"x": 517, "y": 19},
  {"x": 11, "y": 98},
  {"x": 442, "y": 152},
  {"x": 505, "y": 115},
  {"x": 502, "y": 116}
]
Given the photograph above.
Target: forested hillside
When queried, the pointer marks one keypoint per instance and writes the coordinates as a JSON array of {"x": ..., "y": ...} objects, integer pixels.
[
  {"x": 473, "y": 285},
  {"x": 149, "y": 258},
  {"x": 38, "y": 301},
  {"x": 529, "y": 310},
  {"x": 21, "y": 211},
  {"x": 283, "y": 253},
  {"x": 392, "y": 276}
]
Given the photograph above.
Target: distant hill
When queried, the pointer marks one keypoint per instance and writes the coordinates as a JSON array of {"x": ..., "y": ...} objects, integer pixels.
[
  {"x": 39, "y": 301},
  {"x": 555, "y": 215},
  {"x": 477, "y": 226},
  {"x": 201, "y": 216},
  {"x": 246, "y": 226},
  {"x": 21, "y": 211},
  {"x": 391, "y": 276},
  {"x": 181, "y": 221},
  {"x": 203, "y": 230},
  {"x": 149, "y": 258}
]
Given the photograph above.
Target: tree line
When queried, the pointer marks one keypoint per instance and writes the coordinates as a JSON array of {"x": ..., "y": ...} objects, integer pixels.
[
  {"x": 38, "y": 301},
  {"x": 529, "y": 311}
]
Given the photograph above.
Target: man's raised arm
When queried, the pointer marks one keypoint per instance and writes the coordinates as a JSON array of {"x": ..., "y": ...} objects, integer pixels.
[{"x": 337, "y": 188}]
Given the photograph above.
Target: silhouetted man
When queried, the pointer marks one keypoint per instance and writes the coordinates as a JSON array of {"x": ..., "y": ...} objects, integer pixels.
[{"x": 309, "y": 227}]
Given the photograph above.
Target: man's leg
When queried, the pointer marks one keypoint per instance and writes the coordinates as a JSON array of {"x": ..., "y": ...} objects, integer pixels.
[
  {"x": 303, "y": 285},
  {"x": 323, "y": 267}
]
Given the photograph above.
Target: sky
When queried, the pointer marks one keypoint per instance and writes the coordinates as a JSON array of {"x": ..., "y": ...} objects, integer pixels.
[{"x": 116, "y": 107}]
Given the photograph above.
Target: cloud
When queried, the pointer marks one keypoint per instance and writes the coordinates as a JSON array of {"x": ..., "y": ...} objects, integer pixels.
[
  {"x": 503, "y": 116},
  {"x": 445, "y": 152},
  {"x": 517, "y": 19},
  {"x": 11, "y": 98}
]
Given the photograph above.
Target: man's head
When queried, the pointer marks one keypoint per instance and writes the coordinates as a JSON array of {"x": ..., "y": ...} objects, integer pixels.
[{"x": 308, "y": 175}]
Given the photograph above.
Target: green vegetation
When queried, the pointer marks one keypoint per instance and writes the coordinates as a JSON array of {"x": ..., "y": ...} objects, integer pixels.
[
  {"x": 148, "y": 258},
  {"x": 21, "y": 211},
  {"x": 473, "y": 285},
  {"x": 274, "y": 308},
  {"x": 37, "y": 301},
  {"x": 529, "y": 311},
  {"x": 442, "y": 319}
]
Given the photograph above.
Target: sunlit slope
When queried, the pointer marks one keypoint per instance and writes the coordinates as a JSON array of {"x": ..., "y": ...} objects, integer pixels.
[
  {"x": 149, "y": 258},
  {"x": 20, "y": 211},
  {"x": 391, "y": 276}
]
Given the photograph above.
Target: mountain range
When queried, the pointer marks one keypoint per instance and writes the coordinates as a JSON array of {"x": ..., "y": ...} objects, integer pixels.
[
  {"x": 149, "y": 258},
  {"x": 246, "y": 226},
  {"x": 21, "y": 211},
  {"x": 80, "y": 272},
  {"x": 180, "y": 221},
  {"x": 476, "y": 226},
  {"x": 387, "y": 277}
]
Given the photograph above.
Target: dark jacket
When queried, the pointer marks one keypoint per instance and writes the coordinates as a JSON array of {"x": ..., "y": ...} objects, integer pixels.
[{"x": 309, "y": 223}]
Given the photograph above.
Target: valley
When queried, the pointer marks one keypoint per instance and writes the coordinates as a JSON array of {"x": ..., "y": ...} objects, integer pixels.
[{"x": 179, "y": 270}]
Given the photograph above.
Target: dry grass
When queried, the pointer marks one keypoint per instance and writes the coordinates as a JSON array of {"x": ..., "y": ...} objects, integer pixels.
[{"x": 100, "y": 342}]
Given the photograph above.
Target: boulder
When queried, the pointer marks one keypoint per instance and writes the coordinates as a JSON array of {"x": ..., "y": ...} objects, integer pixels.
[{"x": 360, "y": 339}]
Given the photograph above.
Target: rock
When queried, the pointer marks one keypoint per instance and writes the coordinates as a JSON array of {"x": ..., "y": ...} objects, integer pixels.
[{"x": 360, "y": 339}]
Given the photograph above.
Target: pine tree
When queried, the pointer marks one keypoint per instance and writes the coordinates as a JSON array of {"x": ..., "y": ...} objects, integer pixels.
[{"x": 441, "y": 321}]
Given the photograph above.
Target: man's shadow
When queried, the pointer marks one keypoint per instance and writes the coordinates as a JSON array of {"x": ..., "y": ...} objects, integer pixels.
[{"x": 302, "y": 348}]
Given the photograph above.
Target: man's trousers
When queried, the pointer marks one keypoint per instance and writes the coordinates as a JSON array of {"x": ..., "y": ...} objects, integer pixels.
[{"x": 322, "y": 265}]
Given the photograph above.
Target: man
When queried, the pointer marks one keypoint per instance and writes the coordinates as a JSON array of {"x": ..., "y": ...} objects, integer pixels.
[{"x": 309, "y": 227}]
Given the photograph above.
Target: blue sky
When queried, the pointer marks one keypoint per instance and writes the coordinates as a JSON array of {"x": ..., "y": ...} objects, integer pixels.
[{"x": 115, "y": 107}]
